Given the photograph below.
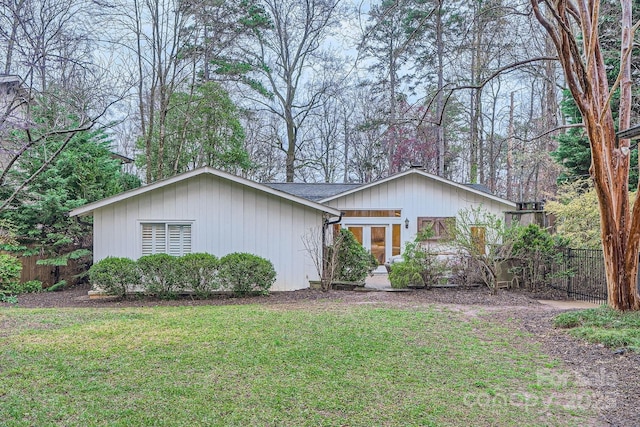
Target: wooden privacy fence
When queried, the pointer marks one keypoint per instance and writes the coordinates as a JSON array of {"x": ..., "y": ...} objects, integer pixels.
[
  {"x": 580, "y": 273},
  {"x": 46, "y": 273}
]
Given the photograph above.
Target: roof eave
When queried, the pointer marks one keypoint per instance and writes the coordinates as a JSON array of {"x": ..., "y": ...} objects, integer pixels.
[
  {"x": 425, "y": 174},
  {"x": 91, "y": 207}
]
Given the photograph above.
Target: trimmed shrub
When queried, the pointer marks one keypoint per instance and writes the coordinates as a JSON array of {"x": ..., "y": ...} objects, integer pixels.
[
  {"x": 245, "y": 274},
  {"x": 404, "y": 274},
  {"x": 354, "y": 261},
  {"x": 161, "y": 275},
  {"x": 10, "y": 268},
  {"x": 199, "y": 273},
  {"x": 419, "y": 267},
  {"x": 114, "y": 275}
]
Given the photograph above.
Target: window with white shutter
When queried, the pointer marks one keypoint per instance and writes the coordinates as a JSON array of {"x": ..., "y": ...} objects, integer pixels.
[
  {"x": 172, "y": 239},
  {"x": 179, "y": 239}
]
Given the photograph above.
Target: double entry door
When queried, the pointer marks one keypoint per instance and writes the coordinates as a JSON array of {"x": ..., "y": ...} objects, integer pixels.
[{"x": 383, "y": 241}]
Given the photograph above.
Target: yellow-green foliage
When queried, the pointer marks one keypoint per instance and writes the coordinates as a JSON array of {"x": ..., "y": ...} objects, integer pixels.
[
  {"x": 577, "y": 214},
  {"x": 7, "y": 233}
]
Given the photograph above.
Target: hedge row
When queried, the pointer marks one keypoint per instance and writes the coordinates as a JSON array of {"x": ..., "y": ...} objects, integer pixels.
[{"x": 166, "y": 276}]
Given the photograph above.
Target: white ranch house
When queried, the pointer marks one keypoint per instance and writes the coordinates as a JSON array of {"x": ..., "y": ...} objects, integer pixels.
[
  {"x": 207, "y": 210},
  {"x": 385, "y": 214}
]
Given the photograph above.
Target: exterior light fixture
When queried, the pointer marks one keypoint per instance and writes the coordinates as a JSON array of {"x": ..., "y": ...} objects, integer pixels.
[{"x": 406, "y": 223}]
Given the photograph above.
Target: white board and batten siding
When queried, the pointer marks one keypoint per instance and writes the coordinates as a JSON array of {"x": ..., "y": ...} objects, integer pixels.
[
  {"x": 223, "y": 217},
  {"x": 416, "y": 194}
]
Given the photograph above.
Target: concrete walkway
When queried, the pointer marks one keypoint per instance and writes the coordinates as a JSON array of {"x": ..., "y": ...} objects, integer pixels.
[
  {"x": 379, "y": 281},
  {"x": 570, "y": 305}
]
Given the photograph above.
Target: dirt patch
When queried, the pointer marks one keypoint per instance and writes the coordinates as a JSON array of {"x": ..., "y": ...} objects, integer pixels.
[{"x": 613, "y": 380}]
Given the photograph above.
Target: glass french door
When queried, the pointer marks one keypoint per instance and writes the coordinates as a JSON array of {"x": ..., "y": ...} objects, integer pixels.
[
  {"x": 378, "y": 243},
  {"x": 383, "y": 241}
]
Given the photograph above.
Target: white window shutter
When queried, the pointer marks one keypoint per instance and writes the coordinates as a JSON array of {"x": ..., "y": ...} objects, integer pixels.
[
  {"x": 186, "y": 239},
  {"x": 160, "y": 243},
  {"x": 179, "y": 239},
  {"x": 154, "y": 239}
]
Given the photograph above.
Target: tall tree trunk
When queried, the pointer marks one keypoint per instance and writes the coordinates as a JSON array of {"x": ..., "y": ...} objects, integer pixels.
[
  {"x": 510, "y": 151},
  {"x": 291, "y": 147},
  {"x": 345, "y": 177},
  {"x": 441, "y": 144},
  {"x": 586, "y": 76},
  {"x": 393, "y": 111}
]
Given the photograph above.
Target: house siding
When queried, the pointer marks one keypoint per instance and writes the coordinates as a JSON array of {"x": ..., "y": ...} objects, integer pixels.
[
  {"x": 418, "y": 196},
  {"x": 226, "y": 217}
]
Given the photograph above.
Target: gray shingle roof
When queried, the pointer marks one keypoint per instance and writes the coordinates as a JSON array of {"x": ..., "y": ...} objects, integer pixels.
[
  {"x": 480, "y": 187},
  {"x": 313, "y": 192}
]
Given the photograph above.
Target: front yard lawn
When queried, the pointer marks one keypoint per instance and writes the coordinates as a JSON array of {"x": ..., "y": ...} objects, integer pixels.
[{"x": 323, "y": 365}]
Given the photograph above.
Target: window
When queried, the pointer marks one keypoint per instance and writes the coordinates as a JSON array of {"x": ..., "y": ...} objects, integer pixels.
[
  {"x": 172, "y": 239},
  {"x": 396, "y": 241},
  {"x": 478, "y": 237},
  {"x": 438, "y": 225},
  {"x": 372, "y": 213}
]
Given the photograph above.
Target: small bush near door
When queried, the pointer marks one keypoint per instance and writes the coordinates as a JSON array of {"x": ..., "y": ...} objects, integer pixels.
[
  {"x": 419, "y": 267},
  {"x": 354, "y": 262},
  {"x": 245, "y": 274}
]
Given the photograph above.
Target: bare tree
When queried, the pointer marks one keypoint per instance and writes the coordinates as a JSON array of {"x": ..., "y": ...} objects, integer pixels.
[
  {"x": 53, "y": 87},
  {"x": 289, "y": 59},
  {"x": 573, "y": 26}
]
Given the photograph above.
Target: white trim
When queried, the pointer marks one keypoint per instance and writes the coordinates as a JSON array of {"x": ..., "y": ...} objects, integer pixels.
[
  {"x": 89, "y": 208},
  {"x": 166, "y": 224},
  {"x": 426, "y": 175}
]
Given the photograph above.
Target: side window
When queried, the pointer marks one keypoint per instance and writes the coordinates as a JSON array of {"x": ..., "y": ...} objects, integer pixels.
[
  {"x": 439, "y": 226},
  {"x": 172, "y": 239},
  {"x": 478, "y": 237},
  {"x": 154, "y": 239}
]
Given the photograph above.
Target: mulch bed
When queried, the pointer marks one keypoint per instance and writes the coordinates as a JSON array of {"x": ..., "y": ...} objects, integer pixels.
[
  {"x": 613, "y": 377},
  {"x": 77, "y": 297}
]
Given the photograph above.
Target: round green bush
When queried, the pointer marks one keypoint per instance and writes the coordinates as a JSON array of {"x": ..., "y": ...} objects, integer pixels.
[
  {"x": 199, "y": 274},
  {"x": 161, "y": 275},
  {"x": 115, "y": 275},
  {"x": 404, "y": 274},
  {"x": 244, "y": 274},
  {"x": 354, "y": 262},
  {"x": 10, "y": 268}
]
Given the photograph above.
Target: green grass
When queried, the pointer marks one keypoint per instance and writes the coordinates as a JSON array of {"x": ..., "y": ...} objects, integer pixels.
[
  {"x": 259, "y": 366},
  {"x": 603, "y": 325}
]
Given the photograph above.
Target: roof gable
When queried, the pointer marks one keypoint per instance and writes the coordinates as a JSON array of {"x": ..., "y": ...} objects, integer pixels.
[
  {"x": 89, "y": 208},
  {"x": 470, "y": 188},
  {"x": 312, "y": 191}
]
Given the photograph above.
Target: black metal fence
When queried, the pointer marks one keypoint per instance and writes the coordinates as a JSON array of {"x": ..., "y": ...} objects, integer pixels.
[{"x": 580, "y": 273}]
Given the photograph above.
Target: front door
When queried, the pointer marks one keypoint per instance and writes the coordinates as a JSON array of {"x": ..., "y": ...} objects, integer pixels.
[
  {"x": 378, "y": 243},
  {"x": 373, "y": 238}
]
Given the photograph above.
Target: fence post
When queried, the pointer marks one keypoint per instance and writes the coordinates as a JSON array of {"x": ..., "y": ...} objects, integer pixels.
[{"x": 566, "y": 267}]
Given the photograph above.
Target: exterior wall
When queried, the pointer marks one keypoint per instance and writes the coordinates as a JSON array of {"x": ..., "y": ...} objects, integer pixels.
[
  {"x": 225, "y": 216},
  {"x": 417, "y": 196}
]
